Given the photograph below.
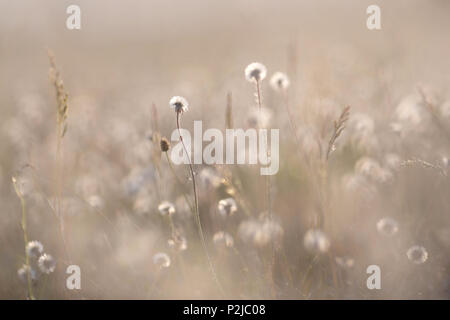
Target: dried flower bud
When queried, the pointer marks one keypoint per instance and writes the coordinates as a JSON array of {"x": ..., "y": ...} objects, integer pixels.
[{"x": 165, "y": 145}]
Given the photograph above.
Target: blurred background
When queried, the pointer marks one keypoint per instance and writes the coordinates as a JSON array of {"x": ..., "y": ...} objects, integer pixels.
[{"x": 383, "y": 191}]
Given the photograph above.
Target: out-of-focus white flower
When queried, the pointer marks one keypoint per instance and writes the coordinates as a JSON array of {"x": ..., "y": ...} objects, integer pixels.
[
  {"x": 178, "y": 243},
  {"x": 179, "y": 104},
  {"x": 417, "y": 254},
  {"x": 23, "y": 272},
  {"x": 95, "y": 201},
  {"x": 268, "y": 231},
  {"x": 387, "y": 226},
  {"x": 259, "y": 118},
  {"x": 223, "y": 239},
  {"x": 279, "y": 81},
  {"x": 87, "y": 185},
  {"x": 260, "y": 232},
  {"x": 209, "y": 178},
  {"x": 227, "y": 207},
  {"x": 362, "y": 124},
  {"x": 316, "y": 241},
  {"x": 410, "y": 110},
  {"x": 34, "y": 249},
  {"x": 392, "y": 161},
  {"x": 46, "y": 263},
  {"x": 143, "y": 203},
  {"x": 255, "y": 72},
  {"x": 137, "y": 179},
  {"x": 345, "y": 262},
  {"x": 166, "y": 208},
  {"x": 370, "y": 168},
  {"x": 161, "y": 260}
]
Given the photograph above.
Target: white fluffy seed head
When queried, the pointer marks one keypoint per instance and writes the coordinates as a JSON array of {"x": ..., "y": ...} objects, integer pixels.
[
  {"x": 279, "y": 81},
  {"x": 223, "y": 239},
  {"x": 23, "y": 272},
  {"x": 166, "y": 208},
  {"x": 345, "y": 262},
  {"x": 179, "y": 104},
  {"x": 316, "y": 241},
  {"x": 178, "y": 243},
  {"x": 46, "y": 263},
  {"x": 260, "y": 232},
  {"x": 387, "y": 226},
  {"x": 417, "y": 254},
  {"x": 227, "y": 207},
  {"x": 34, "y": 249},
  {"x": 255, "y": 72},
  {"x": 161, "y": 260}
]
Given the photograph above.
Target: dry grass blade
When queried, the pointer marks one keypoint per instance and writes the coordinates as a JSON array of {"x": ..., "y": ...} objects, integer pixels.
[
  {"x": 229, "y": 111},
  {"x": 339, "y": 126}
]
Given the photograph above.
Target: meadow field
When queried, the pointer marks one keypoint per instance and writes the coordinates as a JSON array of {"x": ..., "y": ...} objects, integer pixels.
[{"x": 88, "y": 185}]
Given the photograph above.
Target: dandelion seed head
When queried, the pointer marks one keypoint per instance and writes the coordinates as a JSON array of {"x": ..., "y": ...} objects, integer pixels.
[
  {"x": 279, "y": 81},
  {"x": 417, "y": 254},
  {"x": 260, "y": 232},
  {"x": 223, "y": 239},
  {"x": 316, "y": 241},
  {"x": 46, "y": 263},
  {"x": 267, "y": 232},
  {"x": 411, "y": 111},
  {"x": 387, "y": 226},
  {"x": 23, "y": 272},
  {"x": 166, "y": 208},
  {"x": 209, "y": 178},
  {"x": 178, "y": 243},
  {"x": 34, "y": 249},
  {"x": 255, "y": 72},
  {"x": 161, "y": 260},
  {"x": 179, "y": 104},
  {"x": 227, "y": 207}
]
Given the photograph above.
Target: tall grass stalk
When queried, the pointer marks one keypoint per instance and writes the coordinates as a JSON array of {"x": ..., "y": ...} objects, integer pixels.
[
  {"x": 25, "y": 236},
  {"x": 197, "y": 212},
  {"x": 61, "y": 121}
]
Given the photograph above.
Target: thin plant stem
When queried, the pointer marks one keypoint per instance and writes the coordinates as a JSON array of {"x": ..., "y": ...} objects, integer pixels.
[
  {"x": 25, "y": 236},
  {"x": 271, "y": 263},
  {"x": 197, "y": 213},
  {"x": 186, "y": 198}
]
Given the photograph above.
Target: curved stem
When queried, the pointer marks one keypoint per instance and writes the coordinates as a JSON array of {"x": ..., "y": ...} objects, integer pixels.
[{"x": 197, "y": 213}]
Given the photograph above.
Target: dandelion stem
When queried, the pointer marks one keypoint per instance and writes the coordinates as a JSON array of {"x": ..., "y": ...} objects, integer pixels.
[{"x": 197, "y": 213}]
